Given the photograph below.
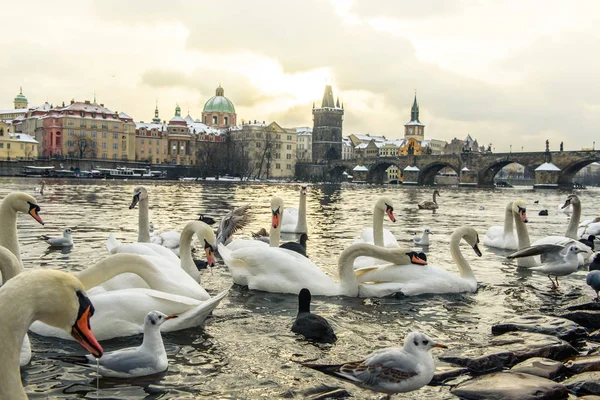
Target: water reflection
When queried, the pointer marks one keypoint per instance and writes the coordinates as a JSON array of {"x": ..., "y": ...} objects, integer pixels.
[{"x": 247, "y": 349}]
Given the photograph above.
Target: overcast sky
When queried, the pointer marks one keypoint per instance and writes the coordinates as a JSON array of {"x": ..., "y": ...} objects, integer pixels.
[{"x": 507, "y": 72}]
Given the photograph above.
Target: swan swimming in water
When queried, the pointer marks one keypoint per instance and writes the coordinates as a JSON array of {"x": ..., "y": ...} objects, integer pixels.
[
  {"x": 419, "y": 279},
  {"x": 60, "y": 300},
  {"x": 14, "y": 203},
  {"x": 295, "y": 218},
  {"x": 503, "y": 237},
  {"x": 430, "y": 205}
]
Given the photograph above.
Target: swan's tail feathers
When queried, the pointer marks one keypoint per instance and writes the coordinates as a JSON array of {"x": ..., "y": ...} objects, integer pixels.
[
  {"x": 112, "y": 244},
  {"x": 544, "y": 249},
  {"x": 229, "y": 259},
  {"x": 232, "y": 222},
  {"x": 196, "y": 316}
]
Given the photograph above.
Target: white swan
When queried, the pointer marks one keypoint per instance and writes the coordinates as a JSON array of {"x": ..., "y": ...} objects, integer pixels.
[
  {"x": 122, "y": 312},
  {"x": 430, "y": 205},
  {"x": 295, "y": 218},
  {"x": 278, "y": 270},
  {"x": 180, "y": 273},
  {"x": 9, "y": 268},
  {"x": 589, "y": 227},
  {"x": 377, "y": 235},
  {"x": 59, "y": 300},
  {"x": 503, "y": 237},
  {"x": 418, "y": 279},
  {"x": 423, "y": 240},
  {"x": 12, "y": 204},
  {"x": 570, "y": 237}
]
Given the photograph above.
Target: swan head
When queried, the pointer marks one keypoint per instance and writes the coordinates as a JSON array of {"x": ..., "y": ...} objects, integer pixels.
[
  {"x": 277, "y": 212},
  {"x": 22, "y": 202},
  {"x": 417, "y": 342},
  {"x": 386, "y": 205},
  {"x": 436, "y": 192},
  {"x": 417, "y": 258},
  {"x": 472, "y": 238},
  {"x": 155, "y": 319},
  {"x": 571, "y": 199},
  {"x": 61, "y": 301},
  {"x": 303, "y": 190},
  {"x": 139, "y": 194},
  {"x": 210, "y": 253},
  {"x": 519, "y": 207}
]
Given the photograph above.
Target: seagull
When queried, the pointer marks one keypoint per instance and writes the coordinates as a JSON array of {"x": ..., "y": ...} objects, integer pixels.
[
  {"x": 65, "y": 241},
  {"x": 593, "y": 280},
  {"x": 561, "y": 261},
  {"x": 423, "y": 240},
  {"x": 311, "y": 326},
  {"x": 148, "y": 359},
  {"x": 390, "y": 370}
]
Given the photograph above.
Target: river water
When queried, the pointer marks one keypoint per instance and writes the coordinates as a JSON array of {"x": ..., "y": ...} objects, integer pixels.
[{"x": 247, "y": 349}]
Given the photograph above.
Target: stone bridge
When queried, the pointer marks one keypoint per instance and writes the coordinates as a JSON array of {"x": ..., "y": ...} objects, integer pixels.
[{"x": 477, "y": 169}]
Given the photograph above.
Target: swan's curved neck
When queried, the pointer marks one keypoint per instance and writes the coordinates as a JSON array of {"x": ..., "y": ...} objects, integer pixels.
[
  {"x": 508, "y": 220},
  {"x": 118, "y": 264},
  {"x": 9, "y": 264},
  {"x": 434, "y": 197},
  {"x": 378, "y": 227},
  {"x": 143, "y": 223},
  {"x": 8, "y": 232},
  {"x": 523, "y": 237},
  {"x": 301, "y": 224},
  {"x": 185, "y": 251},
  {"x": 574, "y": 222},
  {"x": 463, "y": 266},
  {"x": 16, "y": 318},
  {"x": 348, "y": 281}
]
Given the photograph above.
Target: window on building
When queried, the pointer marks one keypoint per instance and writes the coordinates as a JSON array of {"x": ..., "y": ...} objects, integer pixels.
[
  {"x": 70, "y": 122},
  {"x": 104, "y": 135},
  {"x": 215, "y": 120},
  {"x": 115, "y": 145},
  {"x": 93, "y": 144},
  {"x": 226, "y": 120},
  {"x": 142, "y": 141},
  {"x": 288, "y": 156},
  {"x": 142, "y": 150},
  {"x": 157, "y": 152},
  {"x": 289, "y": 166},
  {"x": 82, "y": 134},
  {"x": 258, "y": 144},
  {"x": 278, "y": 136},
  {"x": 21, "y": 146},
  {"x": 115, "y": 156},
  {"x": 1, "y": 145},
  {"x": 289, "y": 137},
  {"x": 104, "y": 145},
  {"x": 277, "y": 166},
  {"x": 116, "y": 126},
  {"x": 289, "y": 147},
  {"x": 94, "y": 134},
  {"x": 115, "y": 135}
]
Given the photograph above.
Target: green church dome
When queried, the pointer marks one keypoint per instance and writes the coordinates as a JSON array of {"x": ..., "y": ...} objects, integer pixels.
[
  {"x": 20, "y": 97},
  {"x": 219, "y": 103}
]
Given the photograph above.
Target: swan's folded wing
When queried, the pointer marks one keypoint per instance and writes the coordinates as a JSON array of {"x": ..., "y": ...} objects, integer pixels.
[{"x": 551, "y": 251}]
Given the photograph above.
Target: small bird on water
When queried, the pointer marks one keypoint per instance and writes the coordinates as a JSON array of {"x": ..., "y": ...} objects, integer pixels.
[
  {"x": 390, "y": 370},
  {"x": 311, "y": 326},
  {"x": 65, "y": 241}
]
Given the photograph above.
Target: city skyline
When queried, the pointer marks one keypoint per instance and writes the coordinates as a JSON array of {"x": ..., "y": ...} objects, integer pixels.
[{"x": 512, "y": 74}]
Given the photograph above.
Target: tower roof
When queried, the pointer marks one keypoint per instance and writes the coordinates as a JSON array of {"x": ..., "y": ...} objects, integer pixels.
[
  {"x": 20, "y": 97},
  {"x": 219, "y": 103}
]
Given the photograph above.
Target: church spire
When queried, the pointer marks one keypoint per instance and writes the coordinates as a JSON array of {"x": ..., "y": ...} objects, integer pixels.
[
  {"x": 328, "y": 97},
  {"x": 156, "y": 119},
  {"x": 414, "y": 112}
]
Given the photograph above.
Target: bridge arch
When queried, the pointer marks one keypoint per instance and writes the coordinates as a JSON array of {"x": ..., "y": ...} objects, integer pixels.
[
  {"x": 336, "y": 174},
  {"x": 377, "y": 172},
  {"x": 428, "y": 173},
  {"x": 568, "y": 172},
  {"x": 487, "y": 175}
]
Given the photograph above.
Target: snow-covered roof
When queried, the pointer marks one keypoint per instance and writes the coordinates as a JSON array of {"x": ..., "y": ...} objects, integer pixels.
[
  {"x": 22, "y": 137},
  {"x": 369, "y": 137},
  {"x": 16, "y": 110},
  {"x": 306, "y": 130},
  {"x": 413, "y": 168},
  {"x": 189, "y": 119},
  {"x": 361, "y": 146},
  {"x": 547, "y": 167},
  {"x": 414, "y": 123},
  {"x": 465, "y": 169},
  {"x": 124, "y": 116},
  {"x": 140, "y": 125},
  {"x": 177, "y": 118},
  {"x": 360, "y": 168}
]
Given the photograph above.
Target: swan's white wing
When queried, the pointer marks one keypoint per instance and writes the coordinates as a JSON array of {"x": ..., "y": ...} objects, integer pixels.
[
  {"x": 389, "y": 240},
  {"x": 148, "y": 249},
  {"x": 242, "y": 243},
  {"x": 290, "y": 220},
  {"x": 495, "y": 237},
  {"x": 591, "y": 228},
  {"x": 122, "y": 313}
]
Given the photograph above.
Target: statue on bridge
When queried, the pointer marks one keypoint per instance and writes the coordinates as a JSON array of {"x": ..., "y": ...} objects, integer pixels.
[
  {"x": 547, "y": 146},
  {"x": 561, "y": 147}
]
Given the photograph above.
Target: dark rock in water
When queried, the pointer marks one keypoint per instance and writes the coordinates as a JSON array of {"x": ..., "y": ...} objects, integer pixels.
[
  {"x": 323, "y": 393},
  {"x": 560, "y": 327},
  {"x": 445, "y": 372},
  {"x": 583, "y": 364},
  {"x": 595, "y": 336},
  {"x": 509, "y": 349},
  {"x": 510, "y": 386},
  {"x": 542, "y": 367},
  {"x": 586, "y": 383},
  {"x": 587, "y": 318},
  {"x": 583, "y": 304}
]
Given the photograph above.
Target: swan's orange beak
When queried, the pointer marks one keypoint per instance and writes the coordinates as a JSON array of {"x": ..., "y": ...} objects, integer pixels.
[
  {"x": 34, "y": 209},
  {"x": 523, "y": 216},
  {"x": 275, "y": 221},
  {"x": 416, "y": 260},
  {"x": 390, "y": 214},
  {"x": 81, "y": 330},
  {"x": 210, "y": 257},
  {"x": 303, "y": 190}
]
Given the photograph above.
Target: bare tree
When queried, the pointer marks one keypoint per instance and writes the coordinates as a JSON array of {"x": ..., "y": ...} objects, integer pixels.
[
  {"x": 82, "y": 143},
  {"x": 238, "y": 154},
  {"x": 28, "y": 151},
  {"x": 211, "y": 157},
  {"x": 269, "y": 142}
]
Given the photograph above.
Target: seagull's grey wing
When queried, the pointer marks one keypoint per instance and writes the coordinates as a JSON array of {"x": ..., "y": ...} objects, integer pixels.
[
  {"x": 232, "y": 222},
  {"x": 391, "y": 365},
  {"x": 550, "y": 252},
  {"x": 127, "y": 360}
]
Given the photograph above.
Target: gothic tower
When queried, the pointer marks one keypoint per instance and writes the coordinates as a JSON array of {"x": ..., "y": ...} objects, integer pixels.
[
  {"x": 414, "y": 128},
  {"x": 327, "y": 129}
]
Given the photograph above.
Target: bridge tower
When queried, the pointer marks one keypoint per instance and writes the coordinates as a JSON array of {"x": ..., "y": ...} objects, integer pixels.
[
  {"x": 327, "y": 128},
  {"x": 414, "y": 128}
]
